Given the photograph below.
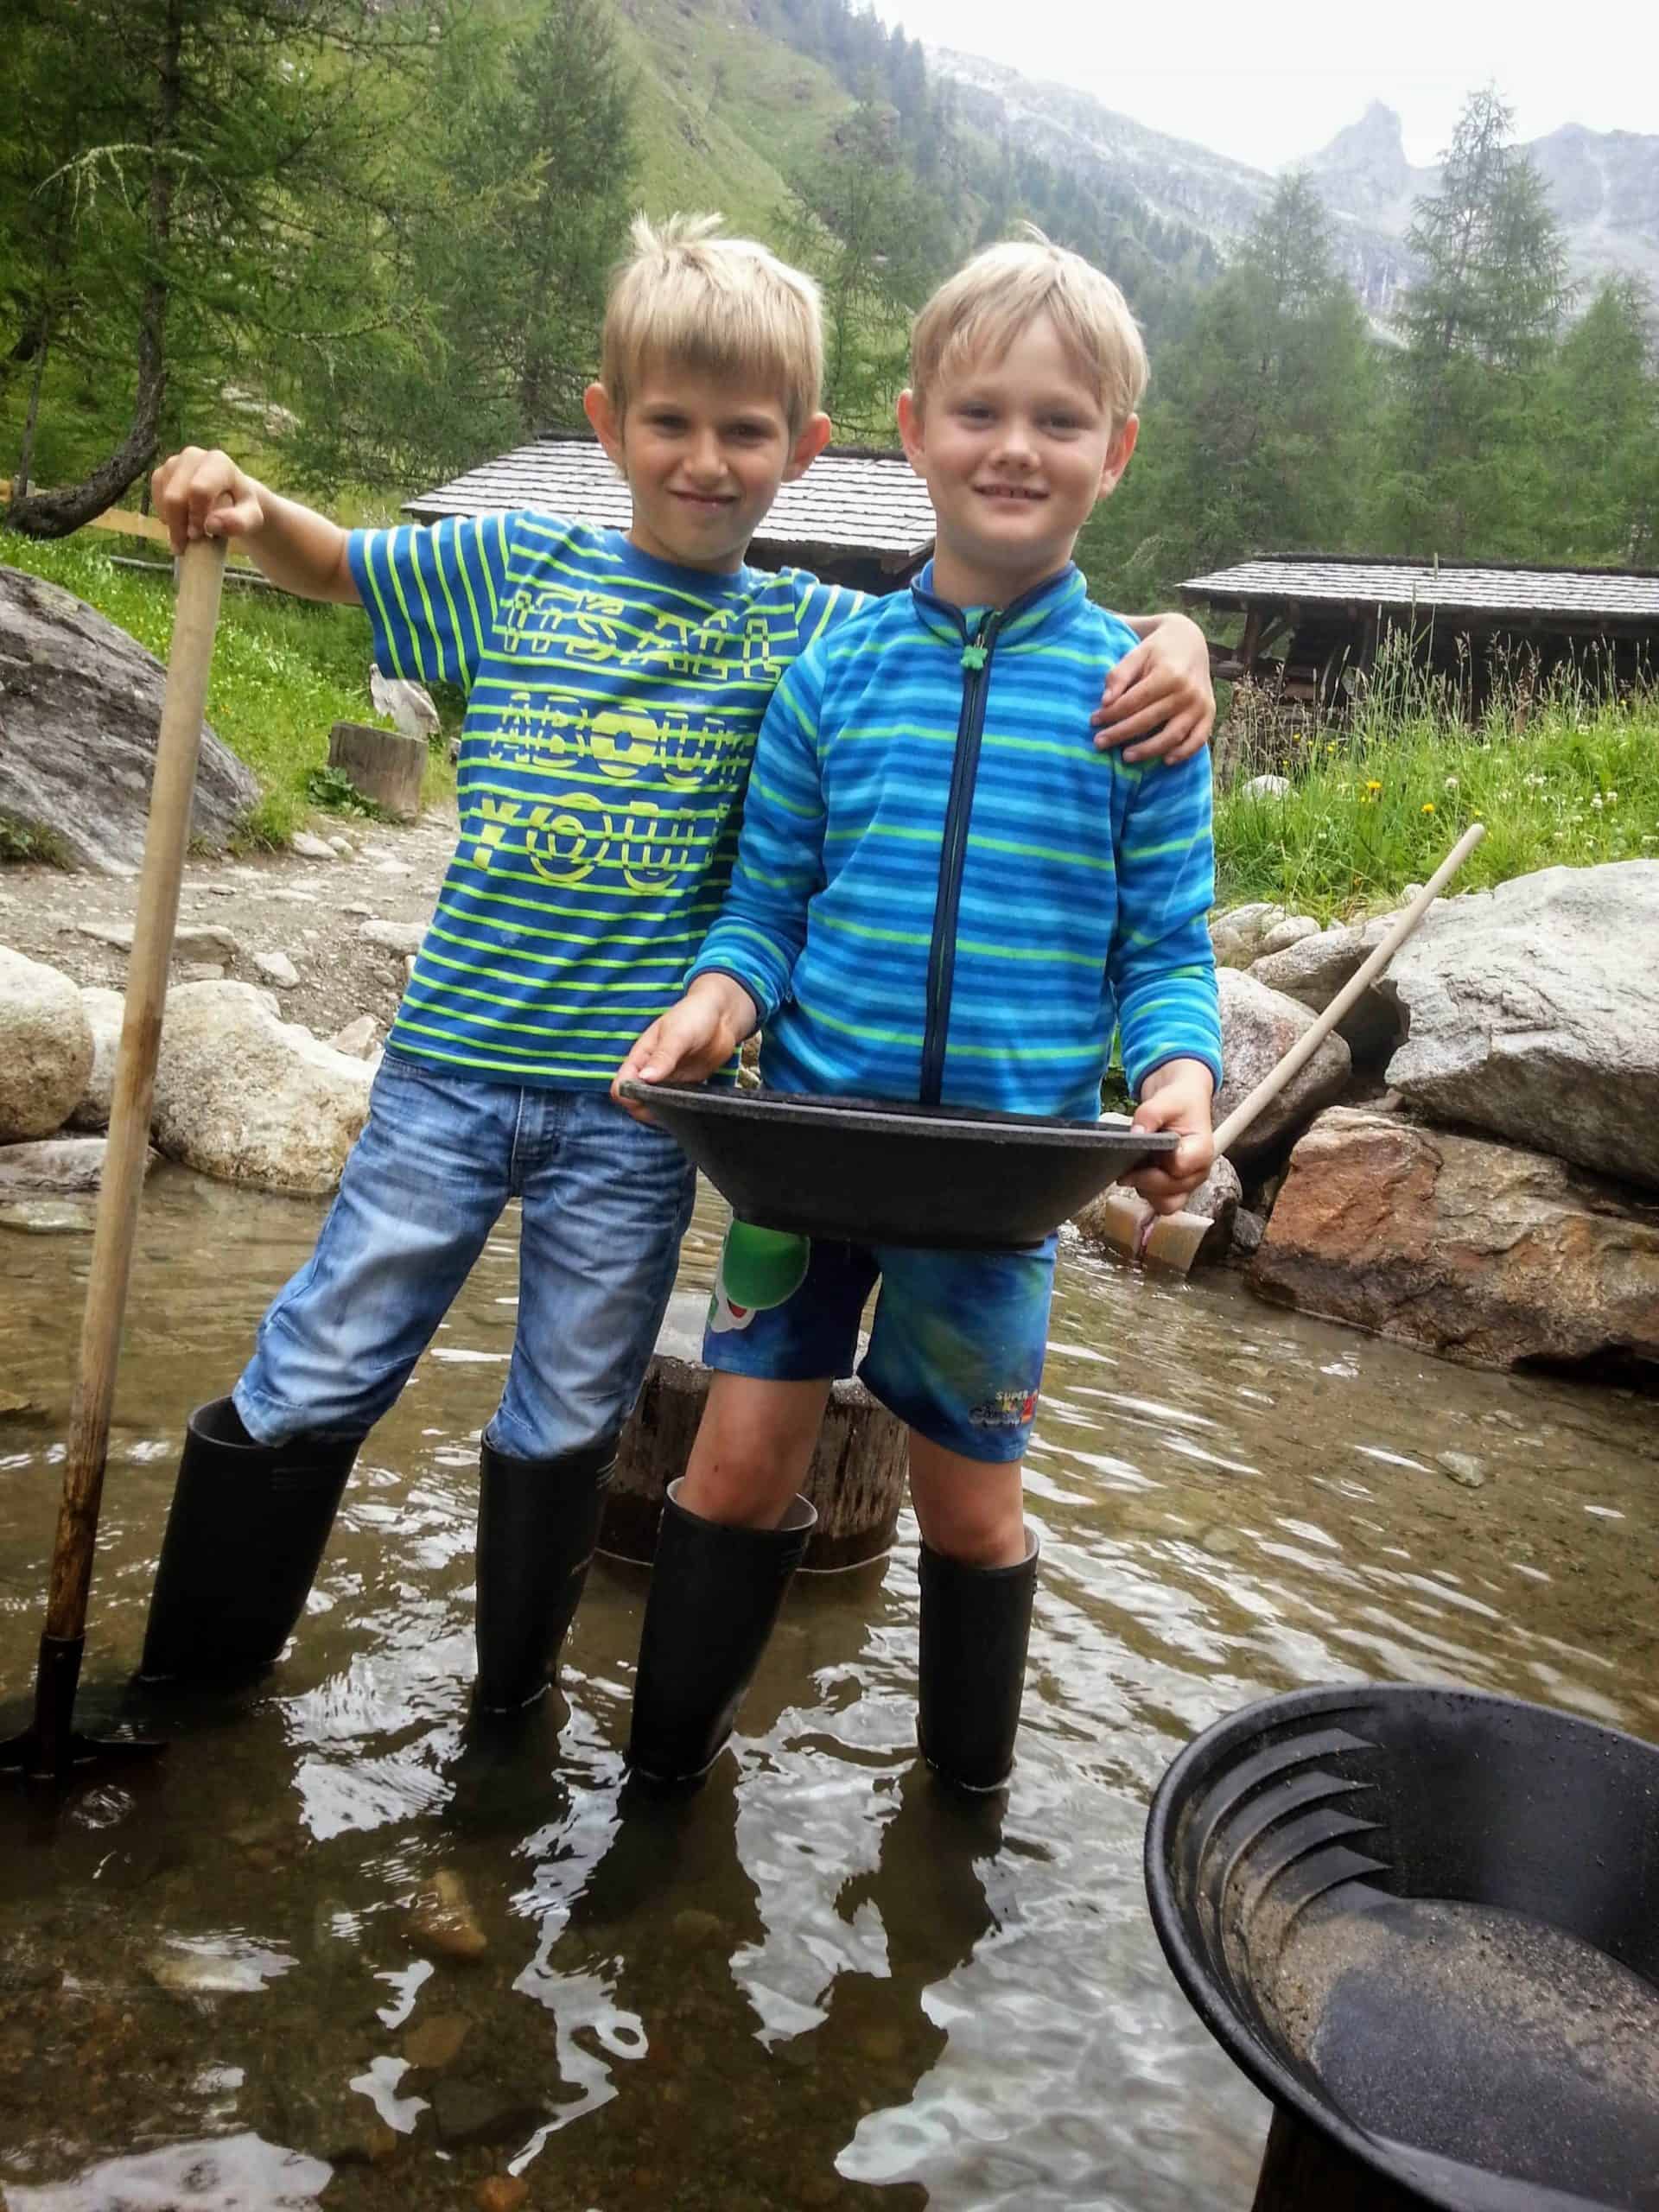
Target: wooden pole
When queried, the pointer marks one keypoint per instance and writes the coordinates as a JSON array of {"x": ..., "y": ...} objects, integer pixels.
[{"x": 201, "y": 574}]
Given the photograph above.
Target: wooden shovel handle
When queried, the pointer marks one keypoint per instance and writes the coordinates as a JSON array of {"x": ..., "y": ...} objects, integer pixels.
[
  {"x": 1311, "y": 1039},
  {"x": 202, "y": 571}
]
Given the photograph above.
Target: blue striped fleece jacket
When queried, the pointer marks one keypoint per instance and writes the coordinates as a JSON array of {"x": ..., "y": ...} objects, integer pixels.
[{"x": 944, "y": 891}]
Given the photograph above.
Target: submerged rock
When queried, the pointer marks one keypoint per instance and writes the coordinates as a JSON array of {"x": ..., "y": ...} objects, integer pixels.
[
  {"x": 1477, "y": 1250},
  {"x": 441, "y": 1920}
]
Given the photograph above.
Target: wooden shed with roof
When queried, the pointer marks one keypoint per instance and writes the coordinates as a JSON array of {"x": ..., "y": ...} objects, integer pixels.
[
  {"x": 860, "y": 516},
  {"x": 1312, "y": 622}
]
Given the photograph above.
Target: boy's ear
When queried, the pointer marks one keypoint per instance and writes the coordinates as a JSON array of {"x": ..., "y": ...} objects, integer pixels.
[
  {"x": 807, "y": 448},
  {"x": 910, "y": 428},
  {"x": 606, "y": 421},
  {"x": 1117, "y": 459}
]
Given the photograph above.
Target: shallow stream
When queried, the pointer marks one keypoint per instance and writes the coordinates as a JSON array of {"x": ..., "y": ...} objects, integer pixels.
[{"x": 819, "y": 1983}]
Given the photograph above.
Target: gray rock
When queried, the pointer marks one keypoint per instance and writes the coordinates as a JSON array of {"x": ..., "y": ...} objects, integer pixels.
[
  {"x": 1258, "y": 1027},
  {"x": 1463, "y": 1467},
  {"x": 1291, "y": 930},
  {"x": 397, "y": 937},
  {"x": 276, "y": 968},
  {"x": 1532, "y": 1011},
  {"x": 310, "y": 848},
  {"x": 358, "y": 1037},
  {"x": 49, "y": 1216},
  {"x": 83, "y": 706},
  {"x": 1248, "y": 1229},
  {"x": 198, "y": 941},
  {"x": 1313, "y": 968},
  {"x": 250, "y": 1099},
  {"x": 1267, "y": 787},
  {"x": 342, "y": 847},
  {"x": 46, "y": 1047},
  {"x": 105, "y": 1011},
  {"x": 56, "y": 1166}
]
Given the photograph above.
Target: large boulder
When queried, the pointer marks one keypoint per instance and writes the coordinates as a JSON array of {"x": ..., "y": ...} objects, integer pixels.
[
  {"x": 1533, "y": 1012},
  {"x": 1477, "y": 1250},
  {"x": 46, "y": 1046},
  {"x": 1314, "y": 969},
  {"x": 1258, "y": 1027},
  {"x": 250, "y": 1099},
  {"x": 80, "y": 706}
]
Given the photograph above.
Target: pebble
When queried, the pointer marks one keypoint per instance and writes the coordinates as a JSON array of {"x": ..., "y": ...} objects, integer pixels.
[
  {"x": 221, "y": 890},
  {"x": 195, "y": 1974},
  {"x": 393, "y": 868},
  {"x": 434, "y": 2043},
  {"x": 441, "y": 1920},
  {"x": 358, "y": 1037},
  {"x": 356, "y": 906},
  {"x": 1221, "y": 1543},
  {"x": 1463, "y": 1467},
  {"x": 296, "y": 898},
  {"x": 310, "y": 848},
  {"x": 396, "y": 937},
  {"x": 502, "y": 2193},
  {"x": 344, "y": 847},
  {"x": 276, "y": 968},
  {"x": 202, "y": 971},
  {"x": 693, "y": 1925}
]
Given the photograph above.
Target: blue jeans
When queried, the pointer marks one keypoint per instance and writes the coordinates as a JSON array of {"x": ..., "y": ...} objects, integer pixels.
[{"x": 606, "y": 1202}]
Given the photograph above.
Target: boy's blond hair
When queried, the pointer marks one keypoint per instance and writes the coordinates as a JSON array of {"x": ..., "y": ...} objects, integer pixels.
[
  {"x": 686, "y": 298},
  {"x": 980, "y": 311}
]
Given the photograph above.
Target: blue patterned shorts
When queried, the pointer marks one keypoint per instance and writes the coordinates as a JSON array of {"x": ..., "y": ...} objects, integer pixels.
[{"x": 956, "y": 1340}]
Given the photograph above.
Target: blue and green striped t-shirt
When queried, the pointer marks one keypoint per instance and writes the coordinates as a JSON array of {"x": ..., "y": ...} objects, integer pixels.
[{"x": 613, "y": 702}]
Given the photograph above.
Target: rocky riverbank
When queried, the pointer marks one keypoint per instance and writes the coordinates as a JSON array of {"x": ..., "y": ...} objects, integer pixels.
[{"x": 1471, "y": 1165}]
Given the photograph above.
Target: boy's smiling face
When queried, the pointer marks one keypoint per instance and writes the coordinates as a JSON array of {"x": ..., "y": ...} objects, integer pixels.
[
  {"x": 1014, "y": 453},
  {"x": 704, "y": 460}
]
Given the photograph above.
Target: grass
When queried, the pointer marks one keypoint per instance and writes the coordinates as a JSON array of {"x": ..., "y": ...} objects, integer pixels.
[
  {"x": 1560, "y": 776},
  {"x": 284, "y": 672}
]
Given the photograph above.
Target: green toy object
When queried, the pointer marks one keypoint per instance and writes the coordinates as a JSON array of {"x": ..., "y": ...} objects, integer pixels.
[{"x": 760, "y": 1267}]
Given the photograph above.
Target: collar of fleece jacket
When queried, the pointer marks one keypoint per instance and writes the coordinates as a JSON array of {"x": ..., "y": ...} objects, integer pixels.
[{"x": 1050, "y": 606}]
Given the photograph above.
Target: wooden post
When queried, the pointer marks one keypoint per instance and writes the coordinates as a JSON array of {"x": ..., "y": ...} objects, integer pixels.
[
  {"x": 856, "y": 1480},
  {"x": 1304, "y": 2173},
  {"x": 383, "y": 763}
]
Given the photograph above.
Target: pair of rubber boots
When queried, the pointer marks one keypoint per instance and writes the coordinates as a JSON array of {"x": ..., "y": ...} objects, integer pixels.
[
  {"x": 715, "y": 1594},
  {"x": 249, "y": 1522}
]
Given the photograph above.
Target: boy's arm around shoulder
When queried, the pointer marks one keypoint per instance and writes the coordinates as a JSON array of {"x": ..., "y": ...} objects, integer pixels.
[
  {"x": 1160, "y": 965},
  {"x": 761, "y": 927},
  {"x": 201, "y": 494},
  {"x": 741, "y": 975},
  {"x": 1158, "y": 700}
]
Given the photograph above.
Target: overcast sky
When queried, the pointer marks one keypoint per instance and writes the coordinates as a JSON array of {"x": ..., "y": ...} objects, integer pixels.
[{"x": 1270, "y": 83}]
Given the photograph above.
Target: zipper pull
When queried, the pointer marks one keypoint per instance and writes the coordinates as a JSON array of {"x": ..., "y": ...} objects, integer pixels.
[{"x": 975, "y": 656}]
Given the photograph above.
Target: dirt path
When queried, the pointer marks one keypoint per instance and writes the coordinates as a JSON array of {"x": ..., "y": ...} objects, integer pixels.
[{"x": 307, "y": 911}]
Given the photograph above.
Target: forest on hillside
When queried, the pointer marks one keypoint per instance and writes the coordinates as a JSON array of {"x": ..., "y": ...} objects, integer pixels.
[{"x": 366, "y": 246}]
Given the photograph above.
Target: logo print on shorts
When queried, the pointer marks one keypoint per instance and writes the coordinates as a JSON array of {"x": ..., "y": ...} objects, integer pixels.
[{"x": 1005, "y": 1409}]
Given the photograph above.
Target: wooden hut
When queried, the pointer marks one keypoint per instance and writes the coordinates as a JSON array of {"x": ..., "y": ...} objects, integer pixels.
[
  {"x": 1314, "y": 621},
  {"x": 859, "y": 516}
]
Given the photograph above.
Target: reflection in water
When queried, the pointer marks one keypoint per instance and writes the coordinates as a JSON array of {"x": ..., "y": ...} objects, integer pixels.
[{"x": 819, "y": 1982}]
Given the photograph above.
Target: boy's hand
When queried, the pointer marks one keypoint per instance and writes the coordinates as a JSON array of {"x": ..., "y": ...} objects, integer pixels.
[
  {"x": 1160, "y": 694},
  {"x": 691, "y": 1039},
  {"x": 1175, "y": 1096},
  {"x": 200, "y": 494}
]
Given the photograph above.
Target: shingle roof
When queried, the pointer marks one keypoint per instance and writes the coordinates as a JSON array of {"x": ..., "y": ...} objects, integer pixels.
[
  {"x": 1575, "y": 593},
  {"x": 851, "y": 500}
]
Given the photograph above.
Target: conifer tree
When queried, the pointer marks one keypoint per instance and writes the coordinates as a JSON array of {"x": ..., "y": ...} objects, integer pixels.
[{"x": 1477, "y": 324}]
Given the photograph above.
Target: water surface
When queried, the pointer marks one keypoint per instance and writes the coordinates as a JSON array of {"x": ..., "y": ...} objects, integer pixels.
[{"x": 820, "y": 1982}]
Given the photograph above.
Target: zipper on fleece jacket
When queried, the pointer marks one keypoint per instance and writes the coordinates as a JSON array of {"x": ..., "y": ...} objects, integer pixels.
[{"x": 941, "y": 954}]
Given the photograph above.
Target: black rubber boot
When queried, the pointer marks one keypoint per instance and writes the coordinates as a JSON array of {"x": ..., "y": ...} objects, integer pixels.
[
  {"x": 715, "y": 1595},
  {"x": 538, "y": 1521},
  {"x": 975, "y": 1629},
  {"x": 245, "y": 1537}
]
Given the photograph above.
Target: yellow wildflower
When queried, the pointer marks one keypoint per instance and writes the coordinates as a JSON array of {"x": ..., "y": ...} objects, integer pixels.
[
  {"x": 1373, "y": 786},
  {"x": 1428, "y": 806}
]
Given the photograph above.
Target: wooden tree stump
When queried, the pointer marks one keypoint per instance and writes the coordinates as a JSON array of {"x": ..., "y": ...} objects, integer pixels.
[
  {"x": 856, "y": 1480},
  {"x": 383, "y": 763},
  {"x": 1304, "y": 2173}
]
